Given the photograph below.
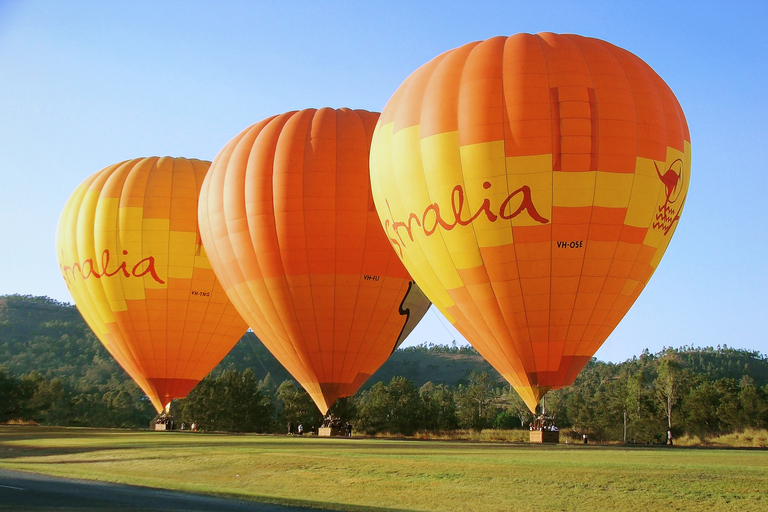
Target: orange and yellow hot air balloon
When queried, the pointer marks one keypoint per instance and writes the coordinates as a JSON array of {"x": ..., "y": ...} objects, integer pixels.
[
  {"x": 130, "y": 252},
  {"x": 287, "y": 219},
  {"x": 530, "y": 185}
]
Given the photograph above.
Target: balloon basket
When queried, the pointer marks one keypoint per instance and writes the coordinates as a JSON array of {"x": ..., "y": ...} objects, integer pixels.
[
  {"x": 545, "y": 436},
  {"x": 329, "y": 432}
]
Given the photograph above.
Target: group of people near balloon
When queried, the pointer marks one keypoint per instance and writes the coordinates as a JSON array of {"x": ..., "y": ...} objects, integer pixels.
[
  {"x": 331, "y": 423},
  {"x": 526, "y": 186}
]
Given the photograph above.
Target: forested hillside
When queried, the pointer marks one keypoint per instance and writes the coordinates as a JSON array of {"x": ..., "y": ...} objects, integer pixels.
[
  {"x": 53, "y": 370},
  {"x": 42, "y": 335}
]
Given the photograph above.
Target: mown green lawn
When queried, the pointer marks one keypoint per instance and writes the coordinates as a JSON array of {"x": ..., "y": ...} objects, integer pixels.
[{"x": 376, "y": 474}]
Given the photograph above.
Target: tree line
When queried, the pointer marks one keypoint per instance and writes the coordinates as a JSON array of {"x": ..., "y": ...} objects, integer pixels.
[
  {"x": 56, "y": 372},
  {"x": 635, "y": 401}
]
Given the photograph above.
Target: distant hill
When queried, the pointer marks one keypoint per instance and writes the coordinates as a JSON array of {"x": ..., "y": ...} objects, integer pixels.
[{"x": 50, "y": 337}]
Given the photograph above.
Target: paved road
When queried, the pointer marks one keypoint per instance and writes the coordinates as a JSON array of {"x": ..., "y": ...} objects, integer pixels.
[{"x": 29, "y": 491}]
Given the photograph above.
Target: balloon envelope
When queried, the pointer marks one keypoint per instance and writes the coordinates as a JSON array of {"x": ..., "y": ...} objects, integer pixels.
[
  {"x": 287, "y": 218},
  {"x": 530, "y": 185},
  {"x": 130, "y": 252}
]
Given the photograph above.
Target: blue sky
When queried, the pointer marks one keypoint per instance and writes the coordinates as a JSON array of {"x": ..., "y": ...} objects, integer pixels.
[{"x": 87, "y": 84}]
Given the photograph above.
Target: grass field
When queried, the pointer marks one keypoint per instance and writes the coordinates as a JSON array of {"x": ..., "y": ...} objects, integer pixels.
[{"x": 381, "y": 474}]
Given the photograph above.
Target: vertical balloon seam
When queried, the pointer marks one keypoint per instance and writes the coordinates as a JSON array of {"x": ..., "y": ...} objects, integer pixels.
[
  {"x": 138, "y": 167},
  {"x": 462, "y": 182},
  {"x": 344, "y": 113},
  {"x": 227, "y": 304},
  {"x": 551, "y": 259},
  {"x": 77, "y": 207},
  {"x": 350, "y": 370},
  {"x": 576, "y": 44},
  {"x": 584, "y": 344},
  {"x": 506, "y": 133},
  {"x": 395, "y": 186},
  {"x": 316, "y": 117},
  {"x": 185, "y": 371},
  {"x": 152, "y": 164},
  {"x": 335, "y": 178},
  {"x": 70, "y": 239},
  {"x": 200, "y": 344},
  {"x": 126, "y": 353},
  {"x": 554, "y": 134},
  {"x": 301, "y": 352},
  {"x": 204, "y": 208},
  {"x": 501, "y": 347},
  {"x": 360, "y": 360},
  {"x": 176, "y": 176},
  {"x": 363, "y": 362},
  {"x": 123, "y": 353},
  {"x": 397, "y": 113},
  {"x": 118, "y": 243},
  {"x": 170, "y": 316},
  {"x": 603, "y": 290},
  {"x": 505, "y": 342},
  {"x": 306, "y": 136},
  {"x": 611, "y": 50},
  {"x": 281, "y": 347},
  {"x": 192, "y": 315},
  {"x": 461, "y": 95},
  {"x": 180, "y": 174},
  {"x": 340, "y": 120},
  {"x": 513, "y": 340},
  {"x": 120, "y": 350},
  {"x": 167, "y": 269},
  {"x": 391, "y": 254},
  {"x": 526, "y": 380},
  {"x": 285, "y": 346},
  {"x": 220, "y": 188},
  {"x": 142, "y": 167},
  {"x": 121, "y": 174}
]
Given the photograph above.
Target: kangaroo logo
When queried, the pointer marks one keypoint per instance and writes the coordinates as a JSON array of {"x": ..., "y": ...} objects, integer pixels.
[{"x": 673, "y": 181}]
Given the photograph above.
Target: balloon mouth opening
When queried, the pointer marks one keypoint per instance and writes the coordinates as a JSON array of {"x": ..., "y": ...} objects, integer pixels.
[{"x": 167, "y": 408}]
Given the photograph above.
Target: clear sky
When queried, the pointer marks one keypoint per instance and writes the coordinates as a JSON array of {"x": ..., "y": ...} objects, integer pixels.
[{"x": 87, "y": 84}]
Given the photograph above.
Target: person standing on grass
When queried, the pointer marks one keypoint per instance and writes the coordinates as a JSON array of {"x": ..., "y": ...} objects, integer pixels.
[{"x": 301, "y": 429}]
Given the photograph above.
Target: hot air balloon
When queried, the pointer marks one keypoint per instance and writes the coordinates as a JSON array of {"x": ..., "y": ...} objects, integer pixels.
[
  {"x": 287, "y": 219},
  {"x": 530, "y": 185},
  {"x": 130, "y": 252}
]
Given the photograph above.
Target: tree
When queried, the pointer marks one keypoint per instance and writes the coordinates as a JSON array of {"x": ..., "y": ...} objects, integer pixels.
[
  {"x": 700, "y": 405},
  {"x": 405, "y": 406},
  {"x": 14, "y": 395},
  {"x": 231, "y": 402},
  {"x": 394, "y": 408},
  {"x": 474, "y": 407},
  {"x": 515, "y": 407},
  {"x": 754, "y": 406},
  {"x": 439, "y": 407},
  {"x": 296, "y": 406},
  {"x": 668, "y": 385}
]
